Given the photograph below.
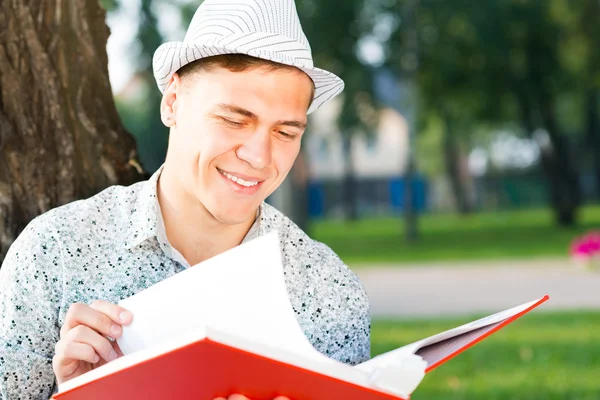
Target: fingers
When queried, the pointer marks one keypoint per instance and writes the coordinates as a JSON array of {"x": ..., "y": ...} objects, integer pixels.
[
  {"x": 67, "y": 352},
  {"x": 86, "y": 335},
  {"x": 101, "y": 316},
  {"x": 81, "y": 344},
  {"x": 116, "y": 313}
]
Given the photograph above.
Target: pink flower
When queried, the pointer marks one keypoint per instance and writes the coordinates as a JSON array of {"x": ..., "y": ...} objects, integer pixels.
[{"x": 586, "y": 246}]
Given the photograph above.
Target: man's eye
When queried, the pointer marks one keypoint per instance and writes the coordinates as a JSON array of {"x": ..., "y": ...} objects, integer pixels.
[
  {"x": 287, "y": 135},
  {"x": 232, "y": 123}
]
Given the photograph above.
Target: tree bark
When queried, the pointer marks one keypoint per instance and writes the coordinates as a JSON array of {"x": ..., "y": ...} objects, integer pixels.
[{"x": 61, "y": 138}]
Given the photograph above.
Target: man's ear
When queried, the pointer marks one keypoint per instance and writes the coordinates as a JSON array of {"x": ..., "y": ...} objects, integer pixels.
[{"x": 169, "y": 102}]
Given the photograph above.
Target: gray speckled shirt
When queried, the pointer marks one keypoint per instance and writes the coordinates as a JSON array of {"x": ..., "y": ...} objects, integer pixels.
[{"x": 113, "y": 245}]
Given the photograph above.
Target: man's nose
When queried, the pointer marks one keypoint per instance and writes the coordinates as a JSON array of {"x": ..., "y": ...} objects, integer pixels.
[{"x": 256, "y": 149}]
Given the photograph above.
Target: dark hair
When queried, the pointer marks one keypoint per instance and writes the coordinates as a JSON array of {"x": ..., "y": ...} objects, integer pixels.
[{"x": 234, "y": 63}]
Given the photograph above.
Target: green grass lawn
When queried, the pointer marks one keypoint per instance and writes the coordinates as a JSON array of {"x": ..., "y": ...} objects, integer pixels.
[
  {"x": 484, "y": 236},
  {"x": 543, "y": 356}
]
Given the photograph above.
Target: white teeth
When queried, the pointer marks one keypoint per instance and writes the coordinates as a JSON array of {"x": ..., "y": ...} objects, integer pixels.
[{"x": 238, "y": 180}]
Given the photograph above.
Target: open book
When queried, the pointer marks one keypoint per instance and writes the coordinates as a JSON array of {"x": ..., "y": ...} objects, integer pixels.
[{"x": 227, "y": 326}]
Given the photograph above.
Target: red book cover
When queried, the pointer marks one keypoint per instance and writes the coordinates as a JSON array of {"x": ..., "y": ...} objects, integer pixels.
[
  {"x": 206, "y": 369},
  {"x": 209, "y": 368}
]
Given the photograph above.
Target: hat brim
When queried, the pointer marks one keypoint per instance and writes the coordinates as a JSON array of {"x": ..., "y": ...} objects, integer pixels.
[{"x": 171, "y": 56}]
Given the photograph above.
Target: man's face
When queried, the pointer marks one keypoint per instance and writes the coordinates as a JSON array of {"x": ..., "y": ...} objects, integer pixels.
[{"x": 236, "y": 137}]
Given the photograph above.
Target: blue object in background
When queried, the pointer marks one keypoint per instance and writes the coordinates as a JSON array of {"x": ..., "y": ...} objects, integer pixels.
[
  {"x": 419, "y": 194},
  {"x": 374, "y": 196},
  {"x": 316, "y": 199}
]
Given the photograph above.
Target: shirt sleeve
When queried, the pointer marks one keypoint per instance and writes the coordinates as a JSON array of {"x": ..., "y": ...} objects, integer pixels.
[
  {"x": 30, "y": 297},
  {"x": 345, "y": 309},
  {"x": 351, "y": 338}
]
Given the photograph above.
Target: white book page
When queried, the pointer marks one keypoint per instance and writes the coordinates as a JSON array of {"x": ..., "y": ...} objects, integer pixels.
[
  {"x": 407, "y": 351},
  {"x": 241, "y": 292},
  {"x": 480, "y": 323}
]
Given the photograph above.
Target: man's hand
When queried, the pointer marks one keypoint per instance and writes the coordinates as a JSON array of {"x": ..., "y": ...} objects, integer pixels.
[
  {"x": 83, "y": 343},
  {"x": 242, "y": 397}
]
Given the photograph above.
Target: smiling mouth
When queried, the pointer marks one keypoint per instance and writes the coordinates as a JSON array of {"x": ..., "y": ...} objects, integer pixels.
[{"x": 238, "y": 180}]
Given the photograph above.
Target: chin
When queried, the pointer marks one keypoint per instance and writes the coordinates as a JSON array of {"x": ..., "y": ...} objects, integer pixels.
[{"x": 231, "y": 215}]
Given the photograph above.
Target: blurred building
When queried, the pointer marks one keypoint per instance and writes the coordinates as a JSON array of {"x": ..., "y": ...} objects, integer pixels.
[
  {"x": 382, "y": 153},
  {"x": 376, "y": 160}
]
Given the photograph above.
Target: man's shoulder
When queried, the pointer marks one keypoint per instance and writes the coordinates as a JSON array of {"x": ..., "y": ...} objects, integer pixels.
[
  {"x": 112, "y": 201},
  {"x": 293, "y": 238},
  {"x": 100, "y": 209},
  {"x": 307, "y": 254},
  {"x": 331, "y": 302}
]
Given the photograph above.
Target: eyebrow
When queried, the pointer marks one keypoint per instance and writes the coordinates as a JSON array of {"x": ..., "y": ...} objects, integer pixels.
[
  {"x": 295, "y": 124},
  {"x": 250, "y": 114},
  {"x": 237, "y": 110}
]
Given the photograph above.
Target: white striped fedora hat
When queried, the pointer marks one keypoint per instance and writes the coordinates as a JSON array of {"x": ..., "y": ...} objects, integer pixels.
[{"x": 268, "y": 29}]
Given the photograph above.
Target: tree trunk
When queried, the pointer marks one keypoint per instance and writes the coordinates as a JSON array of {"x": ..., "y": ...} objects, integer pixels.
[
  {"x": 593, "y": 131},
  {"x": 563, "y": 185},
  {"x": 299, "y": 175},
  {"x": 565, "y": 188},
  {"x": 350, "y": 200},
  {"x": 291, "y": 197},
  {"x": 452, "y": 157},
  {"x": 60, "y": 135}
]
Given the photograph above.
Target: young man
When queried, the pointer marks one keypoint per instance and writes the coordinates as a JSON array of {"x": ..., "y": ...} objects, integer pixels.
[{"x": 236, "y": 94}]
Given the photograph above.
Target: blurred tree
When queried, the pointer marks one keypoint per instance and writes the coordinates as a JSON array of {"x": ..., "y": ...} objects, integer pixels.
[
  {"x": 141, "y": 112},
  {"x": 393, "y": 27},
  {"x": 409, "y": 68},
  {"x": 536, "y": 79},
  {"x": 454, "y": 155},
  {"x": 580, "y": 56},
  {"x": 334, "y": 29},
  {"x": 151, "y": 133},
  {"x": 60, "y": 135},
  {"x": 447, "y": 83},
  {"x": 497, "y": 62}
]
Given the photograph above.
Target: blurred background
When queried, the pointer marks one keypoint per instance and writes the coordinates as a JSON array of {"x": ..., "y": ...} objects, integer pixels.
[{"x": 457, "y": 175}]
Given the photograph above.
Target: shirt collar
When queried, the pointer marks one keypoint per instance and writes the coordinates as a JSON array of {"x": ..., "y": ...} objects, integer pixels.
[
  {"x": 146, "y": 221},
  {"x": 144, "y": 218},
  {"x": 255, "y": 230}
]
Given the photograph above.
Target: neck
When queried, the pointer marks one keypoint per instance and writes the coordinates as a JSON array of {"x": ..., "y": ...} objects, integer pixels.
[{"x": 191, "y": 229}]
